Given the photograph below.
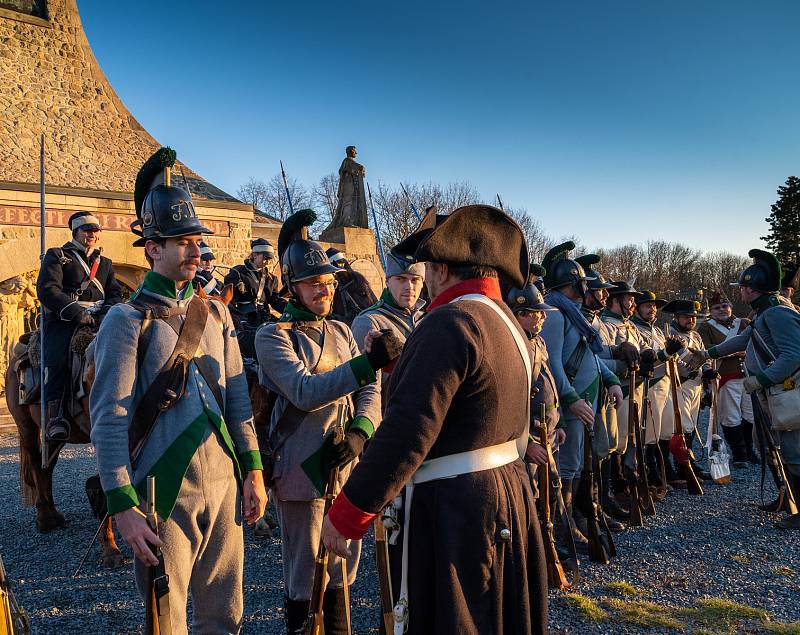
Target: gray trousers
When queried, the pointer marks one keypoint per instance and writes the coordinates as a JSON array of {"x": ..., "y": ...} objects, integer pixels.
[
  {"x": 204, "y": 545},
  {"x": 301, "y": 526}
]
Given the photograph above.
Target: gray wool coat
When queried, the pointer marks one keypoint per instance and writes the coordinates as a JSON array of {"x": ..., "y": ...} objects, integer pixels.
[{"x": 285, "y": 371}]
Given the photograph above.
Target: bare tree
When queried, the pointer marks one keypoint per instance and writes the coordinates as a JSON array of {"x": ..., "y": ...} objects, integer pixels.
[
  {"x": 253, "y": 192},
  {"x": 538, "y": 241}
]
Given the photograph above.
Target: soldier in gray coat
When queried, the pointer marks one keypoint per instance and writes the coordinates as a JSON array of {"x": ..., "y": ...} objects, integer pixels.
[
  {"x": 313, "y": 365},
  {"x": 202, "y": 448},
  {"x": 772, "y": 343},
  {"x": 397, "y": 310}
]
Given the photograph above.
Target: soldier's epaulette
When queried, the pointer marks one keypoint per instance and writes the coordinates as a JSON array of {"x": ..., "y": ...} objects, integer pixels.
[
  {"x": 284, "y": 326},
  {"x": 377, "y": 305}
]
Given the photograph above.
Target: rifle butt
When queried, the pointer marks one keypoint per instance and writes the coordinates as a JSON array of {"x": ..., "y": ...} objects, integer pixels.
[
  {"x": 597, "y": 552},
  {"x": 693, "y": 486},
  {"x": 636, "y": 519}
]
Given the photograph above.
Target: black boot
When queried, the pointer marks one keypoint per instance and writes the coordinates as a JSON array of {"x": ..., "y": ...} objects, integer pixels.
[
  {"x": 296, "y": 613},
  {"x": 570, "y": 531},
  {"x": 334, "y": 612},
  {"x": 57, "y": 427},
  {"x": 793, "y": 521},
  {"x": 734, "y": 437},
  {"x": 747, "y": 438},
  {"x": 607, "y": 501},
  {"x": 658, "y": 486},
  {"x": 673, "y": 477}
]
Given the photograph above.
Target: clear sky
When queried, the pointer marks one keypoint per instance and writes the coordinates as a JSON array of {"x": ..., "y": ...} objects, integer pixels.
[{"x": 615, "y": 121}]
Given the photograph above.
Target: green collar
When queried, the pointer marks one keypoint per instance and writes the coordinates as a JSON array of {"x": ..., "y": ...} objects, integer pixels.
[
  {"x": 294, "y": 314},
  {"x": 388, "y": 298},
  {"x": 610, "y": 313},
  {"x": 765, "y": 301},
  {"x": 161, "y": 285}
]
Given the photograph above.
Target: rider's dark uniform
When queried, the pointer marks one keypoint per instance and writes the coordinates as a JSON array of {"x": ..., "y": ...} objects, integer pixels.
[
  {"x": 71, "y": 296},
  {"x": 248, "y": 306}
]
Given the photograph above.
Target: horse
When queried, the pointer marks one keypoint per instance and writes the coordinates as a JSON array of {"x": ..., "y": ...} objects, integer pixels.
[
  {"x": 352, "y": 296},
  {"x": 36, "y": 482}
]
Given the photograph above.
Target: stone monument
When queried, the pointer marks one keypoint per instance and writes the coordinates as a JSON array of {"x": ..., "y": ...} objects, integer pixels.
[{"x": 351, "y": 208}]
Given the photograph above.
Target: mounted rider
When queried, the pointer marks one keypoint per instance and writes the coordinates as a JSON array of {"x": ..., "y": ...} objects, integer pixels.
[
  {"x": 255, "y": 288},
  {"x": 204, "y": 278},
  {"x": 76, "y": 285}
]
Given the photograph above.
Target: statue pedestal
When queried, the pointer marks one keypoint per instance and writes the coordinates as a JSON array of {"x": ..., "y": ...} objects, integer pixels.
[{"x": 357, "y": 240}]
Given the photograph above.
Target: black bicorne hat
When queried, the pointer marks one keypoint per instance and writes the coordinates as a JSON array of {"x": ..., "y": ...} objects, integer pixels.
[
  {"x": 622, "y": 287},
  {"x": 684, "y": 307},
  {"x": 162, "y": 210},
  {"x": 650, "y": 296},
  {"x": 478, "y": 235}
]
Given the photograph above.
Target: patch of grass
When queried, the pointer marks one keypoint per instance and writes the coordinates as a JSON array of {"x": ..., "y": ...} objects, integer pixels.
[
  {"x": 643, "y": 613},
  {"x": 587, "y": 606},
  {"x": 721, "y": 615},
  {"x": 783, "y": 571},
  {"x": 782, "y": 628},
  {"x": 624, "y": 588},
  {"x": 741, "y": 559}
]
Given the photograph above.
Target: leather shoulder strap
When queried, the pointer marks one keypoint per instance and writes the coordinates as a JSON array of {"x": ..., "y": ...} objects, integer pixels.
[{"x": 152, "y": 402}]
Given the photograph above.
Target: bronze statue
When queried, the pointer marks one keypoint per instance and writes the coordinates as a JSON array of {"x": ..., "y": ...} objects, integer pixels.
[{"x": 351, "y": 209}]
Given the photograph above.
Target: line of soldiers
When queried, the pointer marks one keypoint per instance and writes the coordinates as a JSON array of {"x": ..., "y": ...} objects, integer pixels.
[{"x": 428, "y": 417}]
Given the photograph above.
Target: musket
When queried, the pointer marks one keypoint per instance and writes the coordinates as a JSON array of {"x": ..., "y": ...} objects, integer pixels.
[
  {"x": 384, "y": 576},
  {"x": 768, "y": 446},
  {"x": 157, "y": 618},
  {"x": 314, "y": 622},
  {"x": 556, "y": 578},
  {"x": 377, "y": 229},
  {"x": 601, "y": 547},
  {"x": 642, "y": 483},
  {"x": 677, "y": 445},
  {"x": 629, "y": 462},
  {"x": 411, "y": 203},
  {"x": 286, "y": 187},
  {"x": 43, "y": 445},
  {"x": 500, "y": 202}
]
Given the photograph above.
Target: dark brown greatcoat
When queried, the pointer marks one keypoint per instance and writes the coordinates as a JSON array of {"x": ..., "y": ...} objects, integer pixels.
[{"x": 460, "y": 385}]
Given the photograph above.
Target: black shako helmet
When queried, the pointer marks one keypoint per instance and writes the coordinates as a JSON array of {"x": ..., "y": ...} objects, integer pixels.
[
  {"x": 595, "y": 279},
  {"x": 162, "y": 210},
  {"x": 528, "y": 298},
  {"x": 301, "y": 258},
  {"x": 764, "y": 274},
  {"x": 561, "y": 270}
]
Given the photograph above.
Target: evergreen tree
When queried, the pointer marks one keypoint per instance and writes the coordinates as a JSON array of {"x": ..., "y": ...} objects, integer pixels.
[{"x": 784, "y": 222}]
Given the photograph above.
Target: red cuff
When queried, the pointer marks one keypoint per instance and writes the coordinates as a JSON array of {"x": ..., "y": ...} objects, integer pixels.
[{"x": 348, "y": 519}]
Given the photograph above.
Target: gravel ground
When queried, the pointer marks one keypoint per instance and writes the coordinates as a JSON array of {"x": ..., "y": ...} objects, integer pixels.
[{"x": 717, "y": 545}]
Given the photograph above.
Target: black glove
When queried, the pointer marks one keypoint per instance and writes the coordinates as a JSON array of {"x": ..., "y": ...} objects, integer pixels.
[
  {"x": 385, "y": 348},
  {"x": 645, "y": 368},
  {"x": 84, "y": 318},
  {"x": 648, "y": 356},
  {"x": 709, "y": 374},
  {"x": 673, "y": 345},
  {"x": 342, "y": 453},
  {"x": 628, "y": 353}
]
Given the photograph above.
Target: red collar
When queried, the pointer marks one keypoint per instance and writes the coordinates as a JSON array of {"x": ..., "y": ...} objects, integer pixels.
[{"x": 490, "y": 287}]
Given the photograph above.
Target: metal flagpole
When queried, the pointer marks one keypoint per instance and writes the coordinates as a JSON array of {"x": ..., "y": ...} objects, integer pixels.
[
  {"x": 42, "y": 374},
  {"x": 500, "y": 203},
  {"x": 286, "y": 187},
  {"x": 377, "y": 229},
  {"x": 410, "y": 202}
]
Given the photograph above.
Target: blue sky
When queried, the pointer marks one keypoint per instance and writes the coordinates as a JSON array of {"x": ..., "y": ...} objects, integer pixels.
[{"x": 614, "y": 121}]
